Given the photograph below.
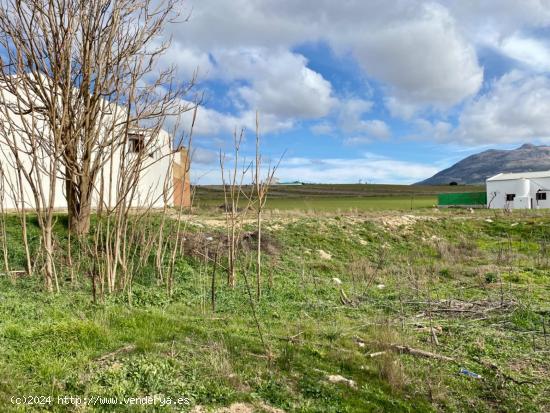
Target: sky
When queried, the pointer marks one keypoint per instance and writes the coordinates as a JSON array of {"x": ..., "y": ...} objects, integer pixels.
[{"x": 377, "y": 91}]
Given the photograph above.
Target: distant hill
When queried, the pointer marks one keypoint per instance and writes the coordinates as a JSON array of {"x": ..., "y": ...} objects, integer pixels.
[{"x": 475, "y": 169}]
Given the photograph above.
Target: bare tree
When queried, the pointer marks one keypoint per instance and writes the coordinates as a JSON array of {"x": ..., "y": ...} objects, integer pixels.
[
  {"x": 261, "y": 191},
  {"x": 237, "y": 202},
  {"x": 33, "y": 149},
  {"x": 89, "y": 68}
]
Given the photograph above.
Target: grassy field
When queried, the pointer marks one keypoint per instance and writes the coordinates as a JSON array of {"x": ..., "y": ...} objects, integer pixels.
[
  {"x": 345, "y": 299},
  {"x": 341, "y": 197}
]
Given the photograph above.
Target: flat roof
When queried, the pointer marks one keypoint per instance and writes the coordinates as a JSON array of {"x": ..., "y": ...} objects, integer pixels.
[{"x": 520, "y": 175}]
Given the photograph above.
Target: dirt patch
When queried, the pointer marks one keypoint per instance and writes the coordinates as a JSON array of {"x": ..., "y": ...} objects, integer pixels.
[
  {"x": 201, "y": 221},
  {"x": 392, "y": 222},
  {"x": 239, "y": 408},
  {"x": 324, "y": 255},
  {"x": 336, "y": 378},
  {"x": 207, "y": 244}
]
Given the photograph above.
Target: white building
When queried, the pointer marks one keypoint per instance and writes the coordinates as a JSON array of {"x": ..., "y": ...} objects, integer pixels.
[
  {"x": 523, "y": 190},
  {"x": 162, "y": 173}
]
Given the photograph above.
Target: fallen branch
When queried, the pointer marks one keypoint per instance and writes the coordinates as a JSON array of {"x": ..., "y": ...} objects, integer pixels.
[
  {"x": 434, "y": 336},
  {"x": 455, "y": 310},
  {"x": 406, "y": 350},
  {"x": 344, "y": 298},
  {"x": 419, "y": 353}
]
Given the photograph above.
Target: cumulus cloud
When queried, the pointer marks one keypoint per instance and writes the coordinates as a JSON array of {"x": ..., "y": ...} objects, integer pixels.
[
  {"x": 418, "y": 58},
  {"x": 352, "y": 118},
  {"x": 421, "y": 55},
  {"x": 507, "y": 26},
  {"x": 217, "y": 124},
  {"x": 533, "y": 53},
  {"x": 480, "y": 18},
  {"x": 413, "y": 47},
  {"x": 188, "y": 60},
  {"x": 279, "y": 83},
  {"x": 514, "y": 109}
]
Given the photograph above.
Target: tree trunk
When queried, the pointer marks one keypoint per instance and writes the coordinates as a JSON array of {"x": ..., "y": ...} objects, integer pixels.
[
  {"x": 49, "y": 265},
  {"x": 79, "y": 205},
  {"x": 259, "y": 254}
]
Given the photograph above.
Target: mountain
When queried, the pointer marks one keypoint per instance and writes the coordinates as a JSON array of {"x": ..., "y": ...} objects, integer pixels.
[{"x": 475, "y": 169}]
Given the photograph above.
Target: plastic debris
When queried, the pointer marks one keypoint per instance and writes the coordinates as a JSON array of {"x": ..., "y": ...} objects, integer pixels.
[{"x": 469, "y": 373}]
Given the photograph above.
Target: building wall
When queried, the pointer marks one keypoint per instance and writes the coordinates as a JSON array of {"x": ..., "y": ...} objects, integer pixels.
[
  {"x": 153, "y": 189},
  {"x": 525, "y": 191}
]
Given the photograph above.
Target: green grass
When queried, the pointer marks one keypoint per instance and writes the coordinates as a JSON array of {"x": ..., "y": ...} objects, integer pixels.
[
  {"x": 334, "y": 204},
  {"x": 344, "y": 197},
  {"x": 175, "y": 346}
]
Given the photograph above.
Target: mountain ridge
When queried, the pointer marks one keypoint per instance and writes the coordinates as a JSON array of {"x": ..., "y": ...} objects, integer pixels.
[{"x": 475, "y": 169}]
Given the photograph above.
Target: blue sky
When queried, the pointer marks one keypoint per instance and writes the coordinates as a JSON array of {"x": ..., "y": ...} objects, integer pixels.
[{"x": 379, "y": 91}]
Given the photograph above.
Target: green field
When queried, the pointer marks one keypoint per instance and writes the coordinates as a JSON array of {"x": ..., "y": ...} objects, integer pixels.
[
  {"x": 340, "y": 292},
  {"x": 345, "y": 197}
]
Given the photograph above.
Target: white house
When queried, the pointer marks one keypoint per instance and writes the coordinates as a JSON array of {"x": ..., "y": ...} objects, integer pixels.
[
  {"x": 163, "y": 174},
  {"x": 522, "y": 190}
]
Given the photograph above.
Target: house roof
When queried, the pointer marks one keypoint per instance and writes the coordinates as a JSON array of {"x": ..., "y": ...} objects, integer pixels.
[{"x": 520, "y": 175}]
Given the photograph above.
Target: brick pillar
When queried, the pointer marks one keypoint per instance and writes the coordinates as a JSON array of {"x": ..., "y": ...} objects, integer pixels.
[{"x": 182, "y": 186}]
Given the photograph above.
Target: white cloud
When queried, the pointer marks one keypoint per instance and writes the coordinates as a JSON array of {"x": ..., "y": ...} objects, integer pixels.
[
  {"x": 280, "y": 83},
  {"x": 351, "y": 112},
  {"x": 437, "y": 130},
  {"x": 413, "y": 46},
  {"x": 213, "y": 123},
  {"x": 369, "y": 167},
  {"x": 357, "y": 141},
  {"x": 502, "y": 16},
  {"x": 531, "y": 52},
  {"x": 373, "y": 169},
  {"x": 376, "y": 128},
  {"x": 204, "y": 156},
  {"x": 422, "y": 53},
  {"x": 189, "y": 61},
  {"x": 279, "y": 86},
  {"x": 351, "y": 119},
  {"x": 515, "y": 109},
  {"x": 423, "y": 58},
  {"x": 216, "y": 24},
  {"x": 322, "y": 128},
  {"x": 401, "y": 108}
]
